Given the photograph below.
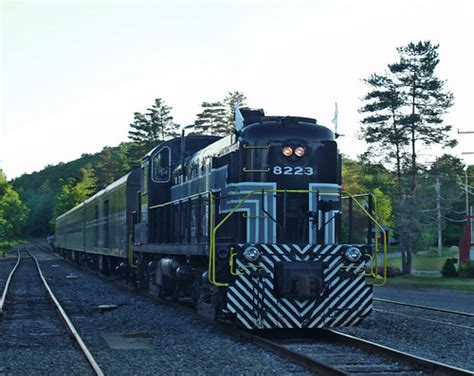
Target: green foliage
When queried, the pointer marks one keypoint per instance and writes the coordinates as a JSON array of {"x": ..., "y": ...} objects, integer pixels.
[
  {"x": 384, "y": 207},
  {"x": 73, "y": 193},
  {"x": 218, "y": 118},
  {"x": 39, "y": 190},
  {"x": 230, "y": 101},
  {"x": 466, "y": 269},
  {"x": 13, "y": 213},
  {"x": 153, "y": 127},
  {"x": 449, "y": 270},
  {"x": 423, "y": 92},
  {"x": 113, "y": 163},
  {"x": 404, "y": 110},
  {"x": 361, "y": 177},
  {"x": 212, "y": 119},
  {"x": 382, "y": 122}
]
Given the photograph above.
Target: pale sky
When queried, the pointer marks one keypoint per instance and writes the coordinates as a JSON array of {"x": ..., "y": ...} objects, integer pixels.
[{"x": 74, "y": 72}]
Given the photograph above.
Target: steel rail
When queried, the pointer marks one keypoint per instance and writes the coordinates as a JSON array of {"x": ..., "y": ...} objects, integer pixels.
[
  {"x": 299, "y": 358},
  {"x": 468, "y": 314},
  {"x": 7, "y": 283},
  {"x": 424, "y": 319},
  {"x": 68, "y": 322},
  {"x": 430, "y": 366}
]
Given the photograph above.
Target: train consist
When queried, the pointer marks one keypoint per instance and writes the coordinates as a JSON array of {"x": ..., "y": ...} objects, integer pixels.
[{"x": 245, "y": 226}]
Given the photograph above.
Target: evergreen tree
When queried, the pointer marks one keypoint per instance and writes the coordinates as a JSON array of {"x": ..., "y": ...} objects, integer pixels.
[
  {"x": 156, "y": 126},
  {"x": 405, "y": 107},
  {"x": 382, "y": 122},
  {"x": 161, "y": 122},
  {"x": 230, "y": 101},
  {"x": 425, "y": 99},
  {"x": 212, "y": 119}
]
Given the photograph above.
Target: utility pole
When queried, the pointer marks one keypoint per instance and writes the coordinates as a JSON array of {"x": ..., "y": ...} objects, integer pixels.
[
  {"x": 438, "y": 211},
  {"x": 467, "y": 193},
  {"x": 468, "y": 212}
]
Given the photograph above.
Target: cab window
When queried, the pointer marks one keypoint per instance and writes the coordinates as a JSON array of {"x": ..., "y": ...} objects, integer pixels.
[{"x": 162, "y": 166}]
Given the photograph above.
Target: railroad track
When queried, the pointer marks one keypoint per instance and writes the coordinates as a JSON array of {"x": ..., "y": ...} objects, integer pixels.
[
  {"x": 452, "y": 318},
  {"x": 435, "y": 309},
  {"x": 29, "y": 317},
  {"x": 329, "y": 352},
  {"x": 326, "y": 352}
]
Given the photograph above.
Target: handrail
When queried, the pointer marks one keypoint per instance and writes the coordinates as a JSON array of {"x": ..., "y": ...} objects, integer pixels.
[
  {"x": 213, "y": 230},
  {"x": 378, "y": 225}
]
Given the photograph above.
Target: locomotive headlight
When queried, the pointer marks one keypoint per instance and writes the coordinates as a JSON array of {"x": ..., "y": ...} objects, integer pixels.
[
  {"x": 299, "y": 151},
  {"x": 287, "y": 151},
  {"x": 353, "y": 254},
  {"x": 251, "y": 253}
]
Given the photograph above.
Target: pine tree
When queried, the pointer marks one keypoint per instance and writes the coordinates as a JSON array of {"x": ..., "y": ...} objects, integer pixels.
[
  {"x": 425, "y": 99},
  {"x": 426, "y": 102},
  {"x": 406, "y": 108},
  {"x": 212, "y": 120},
  {"x": 153, "y": 127},
  {"x": 233, "y": 98},
  {"x": 382, "y": 123}
]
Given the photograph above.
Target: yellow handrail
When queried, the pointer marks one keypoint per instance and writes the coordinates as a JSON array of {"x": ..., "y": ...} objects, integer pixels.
[
  {"x": 378, "y": 225},
  {"x": 213, "y": 231}
]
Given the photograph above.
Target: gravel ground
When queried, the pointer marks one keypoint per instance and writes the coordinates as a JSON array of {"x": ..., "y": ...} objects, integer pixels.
[
  {"x": 443, "y": 343},
  {"x": 160, "y": 340},
  {"x": 168, "y": 341}
]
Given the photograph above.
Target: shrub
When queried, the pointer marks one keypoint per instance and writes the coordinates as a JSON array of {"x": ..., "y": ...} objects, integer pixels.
[
  {"x": 466, "y": 269},
  {"x": 449, "y": 270}
]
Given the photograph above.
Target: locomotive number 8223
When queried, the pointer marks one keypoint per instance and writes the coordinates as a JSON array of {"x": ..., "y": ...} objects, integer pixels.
[{"x": 246, "y": 226}]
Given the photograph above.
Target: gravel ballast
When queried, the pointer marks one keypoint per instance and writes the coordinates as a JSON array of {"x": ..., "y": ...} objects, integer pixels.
[
  {"x": 155, "y": 339},
  {"x": 158, "y": 339},
  {"x": 416, "y": 331}
]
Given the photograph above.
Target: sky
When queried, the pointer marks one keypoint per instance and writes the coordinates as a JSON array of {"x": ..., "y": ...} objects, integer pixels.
[{"x": 74, "y": 72}]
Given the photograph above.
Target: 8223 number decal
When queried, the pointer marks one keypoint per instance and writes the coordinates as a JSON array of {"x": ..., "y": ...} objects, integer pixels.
[{"x": 287, "y": 170}]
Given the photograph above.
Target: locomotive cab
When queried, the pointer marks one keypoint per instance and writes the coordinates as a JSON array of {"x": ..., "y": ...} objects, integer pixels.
[{"x": 157, "y": 177}]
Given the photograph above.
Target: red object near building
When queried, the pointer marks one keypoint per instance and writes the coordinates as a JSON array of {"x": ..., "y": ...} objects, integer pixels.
[{"x": 465, "y": 243}]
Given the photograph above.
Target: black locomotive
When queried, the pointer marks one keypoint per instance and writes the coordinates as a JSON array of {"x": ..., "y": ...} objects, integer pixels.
[{"x": 245, "y": 226}]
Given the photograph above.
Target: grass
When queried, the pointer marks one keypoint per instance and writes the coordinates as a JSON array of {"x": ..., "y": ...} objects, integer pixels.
[
  {"x": 427, "y": 260},
  {"x": 464, "y": 284}
]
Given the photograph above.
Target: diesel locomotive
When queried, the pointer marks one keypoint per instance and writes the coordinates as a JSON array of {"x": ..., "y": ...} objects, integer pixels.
[{"x": 246, "y": 227}]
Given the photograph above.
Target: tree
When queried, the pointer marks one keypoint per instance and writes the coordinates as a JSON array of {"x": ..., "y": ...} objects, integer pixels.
[
  {"x": 448, "y": 171},
  {"x": 425, "y": 98},
  {"x": 382, "y": 123},
  {"x": 113, "y": 163},
  {"x": 406, "y": 108},
  {"x": 13, "y": 213},
  {"x": 230, "y": 101},
  {"x": 149, "y": 129},
  {"x": 360, "y": 177},
  {"x": 212, "y": 119},
  {"x": 74, "y": 192}
]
